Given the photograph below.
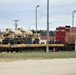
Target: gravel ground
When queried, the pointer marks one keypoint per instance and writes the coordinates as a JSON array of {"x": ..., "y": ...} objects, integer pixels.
[{"x": 39, "y": 67}]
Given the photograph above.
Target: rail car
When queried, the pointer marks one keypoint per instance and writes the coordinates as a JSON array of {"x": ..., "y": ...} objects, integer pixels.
[
  {"x": 66, "y": 35},
  {"x": 22, "y": 40},
  {"x": 30, "y": 47},
  {"x": 20, "y": 44}
]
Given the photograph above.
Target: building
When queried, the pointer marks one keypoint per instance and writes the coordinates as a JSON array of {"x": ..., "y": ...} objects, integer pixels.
[{"x": 44, "y": 39}]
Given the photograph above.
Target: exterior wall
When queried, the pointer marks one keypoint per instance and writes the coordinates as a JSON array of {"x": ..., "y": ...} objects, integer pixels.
[
  {"x": 50, "y": 38},
  {"x": 44, "y": 38},
  {"x": 43, "y": 41}
]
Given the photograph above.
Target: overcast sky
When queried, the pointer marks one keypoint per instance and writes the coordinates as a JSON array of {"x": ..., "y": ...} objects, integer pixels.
[{"x": 24, "y": 10}]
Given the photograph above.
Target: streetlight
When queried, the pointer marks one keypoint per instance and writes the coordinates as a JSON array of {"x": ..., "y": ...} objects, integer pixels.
[
  {"x": 36, "y": 16},
  {"x": 75, "y": 42},
  {"x": 73, "y": 25},
  {"x": 73, "y": 18}
]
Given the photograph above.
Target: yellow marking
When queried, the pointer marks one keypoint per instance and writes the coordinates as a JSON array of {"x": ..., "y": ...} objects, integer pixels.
[
  {"x": 29, "y": 45},
  {"x": 5, "y": 45}
]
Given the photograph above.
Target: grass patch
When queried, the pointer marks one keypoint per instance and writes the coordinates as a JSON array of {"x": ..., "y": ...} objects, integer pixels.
[{"x": 35, "y": 55}]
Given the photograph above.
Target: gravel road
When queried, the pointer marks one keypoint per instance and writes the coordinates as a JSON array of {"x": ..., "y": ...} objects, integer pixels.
[{"x": 39, "y": 67}]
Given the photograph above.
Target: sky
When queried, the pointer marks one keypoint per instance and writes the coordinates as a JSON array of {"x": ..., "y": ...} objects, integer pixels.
[{"x": 60, "y": 13}]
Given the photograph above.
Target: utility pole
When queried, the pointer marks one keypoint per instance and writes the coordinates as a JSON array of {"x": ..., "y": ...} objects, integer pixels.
[
  {"x": 36, "y": 16},
  {"x": 16, "y": 25},
  {"x": 75, "y": 42},
  {"x": 47, "y": 48},
  {"x": 73, "y": 25},
  {"x": 73, "y": 18},
  {"x": 29, "y": 28}
]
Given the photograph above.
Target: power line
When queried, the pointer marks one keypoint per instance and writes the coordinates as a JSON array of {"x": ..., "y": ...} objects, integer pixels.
[
  {"x": 63, "y": 5},
  {"x": 19, "y": 11},
  {"x": 55, "y": 8},
  {"x": 41, "y": 13},
  {"x": 41, "y": 9}
]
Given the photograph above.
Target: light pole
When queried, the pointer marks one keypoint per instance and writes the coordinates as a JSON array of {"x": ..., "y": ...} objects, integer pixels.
[
  {"x": 73, "y": 25},
  {"x": 73, "y": 18},
  {"x": 16, "y": 24},
  {"x": 36, "y": 16},
  {"x": 47, "y": 48},
  {"x": 75, "y": 42}
]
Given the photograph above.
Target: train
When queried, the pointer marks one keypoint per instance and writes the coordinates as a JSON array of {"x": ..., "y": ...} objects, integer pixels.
[
  {"x": 25, "y": 40},
  {"x": 67, "y": 36}
]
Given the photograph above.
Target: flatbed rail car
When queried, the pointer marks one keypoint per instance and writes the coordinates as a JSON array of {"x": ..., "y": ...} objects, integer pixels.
[
  {"x": 5, "y": 47},
  {"x": 31, "y": 47},
  {"x": 38, "y": 47}
]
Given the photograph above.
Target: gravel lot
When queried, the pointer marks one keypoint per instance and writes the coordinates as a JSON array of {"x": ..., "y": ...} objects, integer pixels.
[{"x": 39, "y": 67}]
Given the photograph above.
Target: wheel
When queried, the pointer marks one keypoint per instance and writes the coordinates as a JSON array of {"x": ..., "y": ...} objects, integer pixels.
[{"x": 7, "y": 51}]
